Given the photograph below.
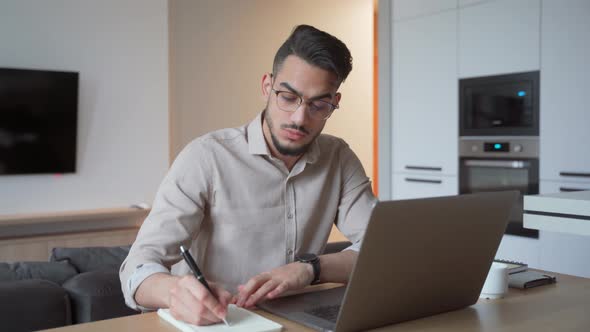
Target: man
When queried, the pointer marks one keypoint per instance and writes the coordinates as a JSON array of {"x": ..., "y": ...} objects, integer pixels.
[{"x": 255, "y": 204}]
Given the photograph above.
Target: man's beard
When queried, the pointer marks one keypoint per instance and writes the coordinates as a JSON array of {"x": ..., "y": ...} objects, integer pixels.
[{"x": 285, "y": 150}]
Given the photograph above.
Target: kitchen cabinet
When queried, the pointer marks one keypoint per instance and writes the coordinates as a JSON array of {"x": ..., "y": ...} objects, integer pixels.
[
  {"x": 564, "y": 212},
  {"x": 565, "y": 114},
  {"x": 498, "y": 37},
  {"x": 404, "y": 9},
  {"x": 553, "y": 251},
  {"x": 425, "y": 95},
  {"x": 412, "y": 185},
  {"x": 565, "y": 253},
  {"x": 561, "y": 252},
  {"x": 553, "y": 187}
]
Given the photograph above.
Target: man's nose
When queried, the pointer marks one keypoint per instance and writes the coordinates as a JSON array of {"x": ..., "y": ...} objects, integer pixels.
[{"x": 301, "y": 114}]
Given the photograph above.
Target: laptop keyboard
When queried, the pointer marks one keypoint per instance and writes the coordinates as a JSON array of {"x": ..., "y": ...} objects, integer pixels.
[{"x": 328, "y": 312}]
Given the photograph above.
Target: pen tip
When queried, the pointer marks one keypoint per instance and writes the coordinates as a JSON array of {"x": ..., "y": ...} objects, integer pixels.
[{"x": 182, "y": 249}]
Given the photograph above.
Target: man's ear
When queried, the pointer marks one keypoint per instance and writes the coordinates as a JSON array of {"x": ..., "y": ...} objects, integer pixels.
[
  {"x": 266, "y": 86},
  {"x": 337, "y": 98}
]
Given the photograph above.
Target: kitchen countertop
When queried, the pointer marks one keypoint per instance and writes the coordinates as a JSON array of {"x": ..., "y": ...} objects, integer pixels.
[{"x": 567, "y": 212}]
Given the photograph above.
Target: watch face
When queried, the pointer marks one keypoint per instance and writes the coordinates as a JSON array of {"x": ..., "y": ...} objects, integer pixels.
[{"x": 307, "y": 257}]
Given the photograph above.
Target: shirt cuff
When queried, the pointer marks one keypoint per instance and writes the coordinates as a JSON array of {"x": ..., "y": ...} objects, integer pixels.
[
  {"x": 141, "y": 273},
  {"x": 354, "y": 247}
]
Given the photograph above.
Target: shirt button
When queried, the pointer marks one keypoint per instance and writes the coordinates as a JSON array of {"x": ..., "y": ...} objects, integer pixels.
[
  {"x": 289, "y": 215},
  {"x": 290, "y": 251}
]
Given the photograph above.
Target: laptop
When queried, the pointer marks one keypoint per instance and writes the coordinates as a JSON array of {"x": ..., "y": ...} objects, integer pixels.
[{"x": 419, "y": 257}]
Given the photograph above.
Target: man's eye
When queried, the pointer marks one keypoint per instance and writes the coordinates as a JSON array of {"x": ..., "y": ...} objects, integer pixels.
[
  {"x": 320, "y": 106},
  {"x": 289, "y": 98}
]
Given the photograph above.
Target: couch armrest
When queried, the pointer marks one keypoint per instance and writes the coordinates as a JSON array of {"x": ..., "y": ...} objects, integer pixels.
[
  {"x": 33, "y": 304},
  {"x": 96, "y": 295},
  {"x": 334, "y": 247},
  {"x": 56, "y": 272}
]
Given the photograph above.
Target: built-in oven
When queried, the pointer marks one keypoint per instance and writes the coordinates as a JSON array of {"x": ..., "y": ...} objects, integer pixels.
[
  {"x": 500, "y": 105},
  {"x": 501, "y": 163}
]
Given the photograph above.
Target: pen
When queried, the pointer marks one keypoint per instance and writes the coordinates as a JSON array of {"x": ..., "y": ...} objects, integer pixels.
[{"x": 193, "y": 266}]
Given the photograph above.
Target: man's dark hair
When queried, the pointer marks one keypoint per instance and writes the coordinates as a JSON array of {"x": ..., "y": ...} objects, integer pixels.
[{"x": 317, "y": 48}]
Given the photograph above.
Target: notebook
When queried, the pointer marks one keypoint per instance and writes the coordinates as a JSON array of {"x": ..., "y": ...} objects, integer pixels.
[
  {"x": 411, "y": 264},
  {"x": 513, "y": 267},
  {"x": 240, "y": 319}
]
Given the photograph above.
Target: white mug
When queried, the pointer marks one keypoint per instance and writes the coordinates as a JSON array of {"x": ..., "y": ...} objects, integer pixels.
[{"x": 496, "y": 285}]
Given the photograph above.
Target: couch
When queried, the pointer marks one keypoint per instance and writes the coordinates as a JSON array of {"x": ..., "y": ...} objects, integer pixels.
[{"x": 77, "y": 285}]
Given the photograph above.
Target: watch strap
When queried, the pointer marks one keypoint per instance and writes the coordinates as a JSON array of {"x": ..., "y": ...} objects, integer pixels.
[
  {"x": 316, "y": 271},
  {"x": 314, "y": 260}
]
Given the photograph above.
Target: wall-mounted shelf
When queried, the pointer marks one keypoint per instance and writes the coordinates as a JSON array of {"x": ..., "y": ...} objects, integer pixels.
[{"x": 40, "y": 224}]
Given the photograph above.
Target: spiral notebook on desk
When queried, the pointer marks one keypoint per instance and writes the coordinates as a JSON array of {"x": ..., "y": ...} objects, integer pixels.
[
  {"x": 513, "y": 267},
  {"x": 240, "y": 320}
]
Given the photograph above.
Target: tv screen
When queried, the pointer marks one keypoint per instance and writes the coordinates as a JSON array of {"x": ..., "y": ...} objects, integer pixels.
[{"x": 38, "y": 121}]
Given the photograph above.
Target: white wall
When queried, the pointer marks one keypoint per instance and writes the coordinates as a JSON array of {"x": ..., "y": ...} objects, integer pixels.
[
  {"x": 120, "y": 48},
  {"x": 220, "y": 50}
]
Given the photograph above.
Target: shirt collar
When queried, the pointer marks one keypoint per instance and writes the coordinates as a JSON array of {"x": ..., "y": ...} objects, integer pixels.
[
  {"x": 312, "y": 155},
  {"x": 256, "y": 141},
  {"x": 257, "y": 144}
]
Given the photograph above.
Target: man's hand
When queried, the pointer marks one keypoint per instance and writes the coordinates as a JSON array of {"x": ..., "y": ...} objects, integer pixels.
[
  {"x": 271, "y": 284},
  {"x": 191, "y": 302}
]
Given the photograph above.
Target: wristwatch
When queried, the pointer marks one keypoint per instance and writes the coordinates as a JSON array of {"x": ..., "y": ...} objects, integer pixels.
[{"x": 314, "y": 260}]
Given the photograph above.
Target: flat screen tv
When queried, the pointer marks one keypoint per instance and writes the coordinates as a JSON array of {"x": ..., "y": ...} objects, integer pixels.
[{"x": 38, "y": 121}]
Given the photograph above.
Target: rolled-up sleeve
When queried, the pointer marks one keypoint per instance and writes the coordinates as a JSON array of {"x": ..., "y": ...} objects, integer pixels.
[
  {"x": 354, "y": 247},
  {"x": 356, "y": 200},
  {"x": 174, "y": 220},
  {"x": 139, "y": 275}
]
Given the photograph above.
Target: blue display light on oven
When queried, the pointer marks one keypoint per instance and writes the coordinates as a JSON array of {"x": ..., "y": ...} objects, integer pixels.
[
  {"x": 496, "y": 147},
  {"x": 521, "y": 93}
]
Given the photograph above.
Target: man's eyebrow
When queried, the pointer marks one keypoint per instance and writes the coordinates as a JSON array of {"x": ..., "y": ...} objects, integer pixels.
[{"x": 290, "y": 88}]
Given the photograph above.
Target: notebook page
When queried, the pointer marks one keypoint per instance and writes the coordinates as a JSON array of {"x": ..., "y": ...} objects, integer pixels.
[{"x": 240, "y": 320}]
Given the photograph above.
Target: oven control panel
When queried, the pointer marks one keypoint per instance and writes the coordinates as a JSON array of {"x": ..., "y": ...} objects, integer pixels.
[{"x": 500, "y": 147}]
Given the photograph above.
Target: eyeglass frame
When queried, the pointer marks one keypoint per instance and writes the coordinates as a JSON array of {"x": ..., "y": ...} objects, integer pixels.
[{"x": 301, "y": 100}]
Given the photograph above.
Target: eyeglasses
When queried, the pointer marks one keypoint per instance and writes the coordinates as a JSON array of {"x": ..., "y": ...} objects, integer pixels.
[{"x": 289, "y": 102}]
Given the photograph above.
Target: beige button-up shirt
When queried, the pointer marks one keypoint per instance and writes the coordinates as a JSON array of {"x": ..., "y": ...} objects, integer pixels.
[{"x": 242, "y": 212}]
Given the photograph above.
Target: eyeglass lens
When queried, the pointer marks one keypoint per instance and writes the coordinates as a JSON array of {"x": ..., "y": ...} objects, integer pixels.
[{"x": 289, "y": 102}]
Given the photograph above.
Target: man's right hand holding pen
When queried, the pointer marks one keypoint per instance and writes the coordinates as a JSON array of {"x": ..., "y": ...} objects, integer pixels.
[
  {"x": 193, "y": 295},
  {"x": 190, "y": 301}
]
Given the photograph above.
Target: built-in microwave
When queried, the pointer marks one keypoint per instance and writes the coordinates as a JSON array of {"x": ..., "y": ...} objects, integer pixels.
[{"x": 501, "y": 105}]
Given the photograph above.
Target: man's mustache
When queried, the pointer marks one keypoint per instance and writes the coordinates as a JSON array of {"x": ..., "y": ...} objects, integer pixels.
[{"x": 295, "y": 127}]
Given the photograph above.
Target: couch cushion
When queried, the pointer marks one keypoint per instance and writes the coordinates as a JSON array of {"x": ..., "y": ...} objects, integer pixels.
[
  {"x": 57, "y": 272},
  {"x": 91, "y": 258},
  {"x": 31, "y": 305},
  {"x": 96, "y": 295}
]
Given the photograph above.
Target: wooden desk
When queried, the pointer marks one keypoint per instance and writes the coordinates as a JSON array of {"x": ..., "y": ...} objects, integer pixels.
[{"x": 564, "y": 306}]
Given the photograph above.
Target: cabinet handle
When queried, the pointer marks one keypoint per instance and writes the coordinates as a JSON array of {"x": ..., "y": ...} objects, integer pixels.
[
  {"x": 566, "y": 189},
  {"x": 424, "y": 168},
  {"x": 583, "y": 175},
  {"x": 423, "y": 180}
]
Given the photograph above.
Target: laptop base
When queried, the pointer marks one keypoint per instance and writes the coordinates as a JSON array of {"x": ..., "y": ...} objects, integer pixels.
[{"x": 294, "y": 307}]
